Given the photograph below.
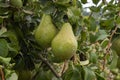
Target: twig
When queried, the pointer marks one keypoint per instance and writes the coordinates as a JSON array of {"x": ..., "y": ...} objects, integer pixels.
[
  {"x": 90, "y": 15},
  {"x": 49, "y": 65},
  {"x": 111, "y": 36},
  {"x": 2, "y": 74},
  {"x": 109, "y": 45}
]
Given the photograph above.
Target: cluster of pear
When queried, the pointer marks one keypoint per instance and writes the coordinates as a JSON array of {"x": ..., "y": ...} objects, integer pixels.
[{"x": 63, "y": 42}]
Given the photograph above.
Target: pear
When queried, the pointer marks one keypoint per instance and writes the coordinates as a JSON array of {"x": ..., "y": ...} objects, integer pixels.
[
  {"x": 45, "y": 32},
  {"x": 64, "y": 45},
  {"x": 16, "y": 3}
]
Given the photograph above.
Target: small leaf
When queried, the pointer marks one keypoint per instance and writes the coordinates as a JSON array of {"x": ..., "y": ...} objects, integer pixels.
[
  {"x": 95, "y": 9},
  {"x": 84, "y": 1},
  {"x": 4, "y": 5},
  {"x": 89, "y": 74},
  {"x": 1, "y": 20},
  {"x": 95, "y": 1},
  {"x": 3, "y": 48},
  {"x": 104, "y": 43},
  {"x": 13, "y": 76},
  {"x": 5, "y": 61},
  {"x": 2, "y": 30},
  {"x": 93, "y": 57},
  {"x": 101, "y": 35},
  {"x": 72, "y": 73},
  {"x": 114, "y": 60},
  {"x": 99, "y": 77}
]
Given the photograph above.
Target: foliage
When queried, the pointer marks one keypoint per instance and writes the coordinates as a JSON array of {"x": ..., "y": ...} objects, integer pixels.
[{"x": 94, "y": 31}]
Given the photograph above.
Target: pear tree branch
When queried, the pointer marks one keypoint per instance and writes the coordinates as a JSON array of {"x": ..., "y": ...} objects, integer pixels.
[{"x": 45, "y": 61}]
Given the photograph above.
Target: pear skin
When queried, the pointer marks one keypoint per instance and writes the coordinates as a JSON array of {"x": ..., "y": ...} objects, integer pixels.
[
  {"x": 45, "y": 32},
  {"x": 64, "y": 45}
]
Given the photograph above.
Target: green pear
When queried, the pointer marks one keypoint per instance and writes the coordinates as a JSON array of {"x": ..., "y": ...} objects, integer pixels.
[
  {"x": 16, "y": 3},
  {"x": 45, "y": 32},
  {"x": 64, "y": 45}
]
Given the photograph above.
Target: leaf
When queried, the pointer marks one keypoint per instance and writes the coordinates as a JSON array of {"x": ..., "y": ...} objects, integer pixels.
[
  {"x": 114, "y": 60},
  {"x": 102, "y": 35},
  {"x": 89, "y": 74},
  {"x": 93, "y": 38},
  {"x": 2, "y": 30},
  {"x": 95, "y": 1},
  {"x": 49, "y": 9},
  {"x": 13, "y": 45},
  {"x": 84, "y": 1},
  {"x": 72, "y": 73},
  {"x": 99, "y": 77},
  {"x": 13, "y": 76},
  {"x": 73, "y": 14},
  {"x": 104, "y": 43},
  {"x": 1, "y": 20},
  {"x": 5, "y": 5},
  {"x": 95, "y": 9},
  {"x": 5, "y": 61},
  {"x": 3, "y": 48},
  {"x": 93, "y": 57},
  {"x": 92, "y": 24},
  {"x": 107, "y": 24}
]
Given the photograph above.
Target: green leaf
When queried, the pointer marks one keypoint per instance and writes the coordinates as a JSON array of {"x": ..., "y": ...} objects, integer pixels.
[
  {"x": 5, "y": 61},
  {"x": 93, "y": 57},
  {"x": 2, "y": 30},
  {"x": 84, "y": 1},
  {"x": 72, "y": 73},
  {"x": 44, "y": 75},
  {"x": 95, "y": 9},
  {"x": 89, "y": 74},
  {"x": 114, "y": 60},
  {"x": 95, "y": 1},
  {"x": 107, "y": 24},
  {"x": 101, "y": 35},
  {"x": 93, "y": 37},
  {"x": 73, "y": 14},
  {"x": 13, "y": 45},
  {"x": 1, "y": 20},
  {"x": 83, "y": 35},
  {"x": 104, "y": 43},
  {"x": 99, "y": 77},
  {"x": 3, "y": 48},
  {"x": 5, "y": 5},
  {"x": 11, "y": 75},
  {"x": 92, "y": 24}
]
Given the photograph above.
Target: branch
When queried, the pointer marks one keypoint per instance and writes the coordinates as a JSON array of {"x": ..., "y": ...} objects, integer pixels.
[
  {"x": 109, "y": 45},
  {"x": 111, "y": 36},
  {"x": 2, "y": 74},
  {"x": 49, "y": 65}
]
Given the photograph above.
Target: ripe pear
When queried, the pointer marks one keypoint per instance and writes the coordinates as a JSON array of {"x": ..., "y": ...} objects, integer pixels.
[
  {"x": 16, "y": 3},
  {"x": 64, "y": 45},
  {"x": 116, "y": 45},
  {"x": 45, "y": 32}
]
